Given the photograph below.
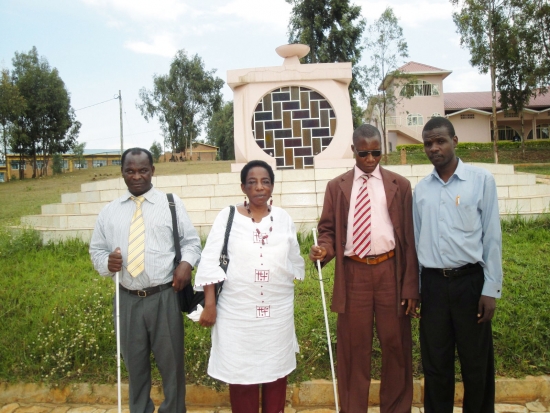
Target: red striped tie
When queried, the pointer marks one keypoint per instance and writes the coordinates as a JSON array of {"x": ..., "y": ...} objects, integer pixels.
[{"x": 361, "y": 221}]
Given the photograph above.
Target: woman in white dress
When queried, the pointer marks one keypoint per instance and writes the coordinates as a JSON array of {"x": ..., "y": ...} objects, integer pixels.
[{"x": 253, "y": 337}]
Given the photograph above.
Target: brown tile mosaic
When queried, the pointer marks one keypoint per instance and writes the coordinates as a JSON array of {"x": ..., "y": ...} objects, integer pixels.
[{"x": 293, "y": 124}]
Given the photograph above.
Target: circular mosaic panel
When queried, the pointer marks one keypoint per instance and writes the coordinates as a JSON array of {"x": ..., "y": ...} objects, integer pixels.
[{"x": 293, "y": 124}]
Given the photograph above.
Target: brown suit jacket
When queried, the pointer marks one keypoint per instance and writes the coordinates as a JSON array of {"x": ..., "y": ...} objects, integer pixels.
[{"x": 333, "y": 227}]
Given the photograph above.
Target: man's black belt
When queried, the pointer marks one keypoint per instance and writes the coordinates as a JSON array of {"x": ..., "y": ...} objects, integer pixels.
[
  {"x": 457, "y": 272},
  {"x": 147, "y": 291}
]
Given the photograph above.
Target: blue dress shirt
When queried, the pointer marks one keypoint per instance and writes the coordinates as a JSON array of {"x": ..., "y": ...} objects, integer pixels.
[{"x": 457, "y": 223}]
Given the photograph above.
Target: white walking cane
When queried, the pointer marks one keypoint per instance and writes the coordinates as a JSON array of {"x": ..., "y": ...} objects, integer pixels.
[
  {"x": 117, "y": 309},
  {"x": 314, "y": 230}
]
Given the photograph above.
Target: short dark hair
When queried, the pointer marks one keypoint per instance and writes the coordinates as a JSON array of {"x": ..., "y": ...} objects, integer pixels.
[
  {"x": 366, "y": 131},
  {"x": 135, "y": 151},
  {"x": 439, "y": 122},
  {"x": 253, "y": 164}
]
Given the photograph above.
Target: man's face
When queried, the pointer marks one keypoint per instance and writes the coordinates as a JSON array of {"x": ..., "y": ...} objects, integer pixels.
[
  {"x": 439, "y": 146},
  {"x": 369, "y": 162},
  {"x": 137, "y": 173}
]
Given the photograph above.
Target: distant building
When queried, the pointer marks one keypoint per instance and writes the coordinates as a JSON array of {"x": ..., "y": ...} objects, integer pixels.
[
  {"x": 199, "y": 152},
  {"x": 15, "y": 166},
  {"x": 470, "y": 112},
  {"x": 92, "y": 158}
]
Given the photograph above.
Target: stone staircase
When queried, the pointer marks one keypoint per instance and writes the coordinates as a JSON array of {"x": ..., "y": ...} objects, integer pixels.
[{"x": 299, "y": 192}]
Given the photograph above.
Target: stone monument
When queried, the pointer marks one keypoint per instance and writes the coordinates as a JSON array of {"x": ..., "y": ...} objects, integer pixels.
[{"x": 293, "y": 116}]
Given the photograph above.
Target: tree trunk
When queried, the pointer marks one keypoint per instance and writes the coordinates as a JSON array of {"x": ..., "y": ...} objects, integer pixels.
[
  {"x": 493, "y": 95},
  {"x": 522, "y": 135}
]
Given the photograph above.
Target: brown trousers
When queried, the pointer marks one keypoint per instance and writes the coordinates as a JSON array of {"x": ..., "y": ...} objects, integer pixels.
[
  {"x": 371, "y": 298},
  {"x": 245, "y": 398}
]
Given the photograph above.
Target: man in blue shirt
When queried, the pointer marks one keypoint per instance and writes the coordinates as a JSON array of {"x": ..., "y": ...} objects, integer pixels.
[{"x": 459, "y": 246}]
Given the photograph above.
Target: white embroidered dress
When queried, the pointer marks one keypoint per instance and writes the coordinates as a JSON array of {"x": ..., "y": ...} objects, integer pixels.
[{"x": 253, "y": 339}]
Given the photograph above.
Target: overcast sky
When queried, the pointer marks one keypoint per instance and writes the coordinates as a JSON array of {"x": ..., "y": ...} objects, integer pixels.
[{"x": 101, "y": 46}]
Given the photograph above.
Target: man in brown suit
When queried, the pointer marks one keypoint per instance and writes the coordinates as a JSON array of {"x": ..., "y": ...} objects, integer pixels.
[{"x": 376, "y": 282}]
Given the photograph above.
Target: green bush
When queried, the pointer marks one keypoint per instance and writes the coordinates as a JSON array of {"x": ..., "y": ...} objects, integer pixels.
[{"x": 479, "y": 146}]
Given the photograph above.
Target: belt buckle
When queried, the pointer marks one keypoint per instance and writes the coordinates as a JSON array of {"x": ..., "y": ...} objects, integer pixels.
[
  {"x": 371, "y": 258},
  {"x": 142, "y": 293},
  {"x": 445, "y": 272}
]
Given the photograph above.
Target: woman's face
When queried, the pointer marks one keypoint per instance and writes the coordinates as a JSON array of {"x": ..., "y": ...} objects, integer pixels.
[{"x": 258, "y": 186}]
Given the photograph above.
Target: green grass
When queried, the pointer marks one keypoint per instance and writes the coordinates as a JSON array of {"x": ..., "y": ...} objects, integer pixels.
[
  {"x": 57, "y": 312},
  {"x": 57, "y": 323},
  {"x": 540, "y": 169}
]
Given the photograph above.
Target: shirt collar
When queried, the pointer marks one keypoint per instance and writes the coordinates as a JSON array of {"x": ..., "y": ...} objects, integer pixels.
[
  {"x": 150, "y": 195},
  {"x": 460, "y": 172},
  {"x": 358, "y": 173}
]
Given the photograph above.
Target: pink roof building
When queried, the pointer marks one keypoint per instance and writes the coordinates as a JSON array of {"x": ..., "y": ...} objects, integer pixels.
[{"x": 470, "y": 112}]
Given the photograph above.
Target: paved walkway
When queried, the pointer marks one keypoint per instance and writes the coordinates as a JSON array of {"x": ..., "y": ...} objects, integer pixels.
[{"x": 98, "y": 408}]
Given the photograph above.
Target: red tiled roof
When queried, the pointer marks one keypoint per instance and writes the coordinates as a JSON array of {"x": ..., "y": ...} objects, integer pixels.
[
  {"x": 414, "y": 67},
  {"x": 482, "y": 100}
]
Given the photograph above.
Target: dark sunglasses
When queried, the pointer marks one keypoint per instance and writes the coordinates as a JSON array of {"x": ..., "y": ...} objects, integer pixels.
[{"x": 363, "y": 154}]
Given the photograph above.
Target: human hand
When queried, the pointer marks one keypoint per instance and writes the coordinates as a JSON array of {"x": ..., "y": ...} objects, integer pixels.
[
  {"x": 317, "y": 253},
  {"x": 413, "y": 307},
  {"x": 486, "y": 308},
  {"x": 114, "y": 264},
  {"x": 182, "y": 276},
  {"x": 208, "y": 316}
]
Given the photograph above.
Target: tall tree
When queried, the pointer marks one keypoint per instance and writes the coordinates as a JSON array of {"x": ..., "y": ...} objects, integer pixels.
[
  {"x": 517, "y": 64},
  {"x": 220, "y": 131},
  {"x": 333, "y": 30},
  {"x": 48, "y": 120},
  {"x": 480, "y": 23},
  {"x": 156, "y": 151},
  {"x": 183, "y": 100},
  {"x": 387, "y": 50},
  {"x": 12, "y": 105}
]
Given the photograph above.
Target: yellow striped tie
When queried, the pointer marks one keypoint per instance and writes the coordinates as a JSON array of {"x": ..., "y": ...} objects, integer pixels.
[{"x": 136, "y": 241}]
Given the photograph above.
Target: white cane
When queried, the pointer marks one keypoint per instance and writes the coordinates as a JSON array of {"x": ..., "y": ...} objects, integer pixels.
[
  {"x": 117, "y": 309},
  {"x": 314, "y": 230}
]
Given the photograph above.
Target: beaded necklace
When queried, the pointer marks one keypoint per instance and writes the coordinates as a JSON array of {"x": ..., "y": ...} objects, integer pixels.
[{"x": 257, "y": 230}]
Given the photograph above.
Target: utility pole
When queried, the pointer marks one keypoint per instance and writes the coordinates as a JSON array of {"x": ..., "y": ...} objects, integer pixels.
[{"x": 121, "y": 135}]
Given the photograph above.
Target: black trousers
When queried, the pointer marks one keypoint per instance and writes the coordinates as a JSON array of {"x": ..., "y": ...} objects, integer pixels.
[{"x": 449, "y": 319}]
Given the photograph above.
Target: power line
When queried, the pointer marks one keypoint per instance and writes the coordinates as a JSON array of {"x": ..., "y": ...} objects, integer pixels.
[{"x": 95, "y": 104}]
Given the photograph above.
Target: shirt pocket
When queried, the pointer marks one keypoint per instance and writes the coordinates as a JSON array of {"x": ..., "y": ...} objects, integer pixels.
[{"x": 468, "y": 218}]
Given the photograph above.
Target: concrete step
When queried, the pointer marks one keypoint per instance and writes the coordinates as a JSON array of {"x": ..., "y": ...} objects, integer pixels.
[{"x": 299, "y": 192}]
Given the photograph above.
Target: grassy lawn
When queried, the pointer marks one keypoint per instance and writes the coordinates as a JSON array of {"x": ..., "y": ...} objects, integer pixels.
[
  {"x": 57, "y": 312},
  {"x": 539, "y": 169}
]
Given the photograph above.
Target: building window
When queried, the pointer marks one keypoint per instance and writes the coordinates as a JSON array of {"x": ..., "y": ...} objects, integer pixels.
[
  {"x": 99, "y": 163},
  {"x": 509, "y": 114},
  {"x": 81, "y": 165},
  {"x": 39, "y": 164},
  {"x": 115, "y": 162},
  {"x": 543, "y": 132},
  {"x": 65, "y": 164},
  {"x": 506, "y": 133},
  {"x": 415, "y": 120},
  {"x": 420, "y": 88},
  {"x": 2, "y": 162},
  {"x": 467, "y": 116},
  {"x": 16, "y": 165},
  {"x": 2, "y": 179}
]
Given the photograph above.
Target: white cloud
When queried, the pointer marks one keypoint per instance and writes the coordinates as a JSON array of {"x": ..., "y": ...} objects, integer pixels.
[
  {"x": 467, "y": 79},
  {"x": 161, "y": 45},
  {"x": 162, "y": 10},
  {"x": 274, "y": 13},
  {"x": 410, "y": 14}
]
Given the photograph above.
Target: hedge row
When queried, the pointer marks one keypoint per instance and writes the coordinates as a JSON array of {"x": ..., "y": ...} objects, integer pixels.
[{"x": 504, "y": 145}]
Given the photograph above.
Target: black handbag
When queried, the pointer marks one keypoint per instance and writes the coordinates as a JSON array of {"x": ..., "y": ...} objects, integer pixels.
[
  {"x": 224, "y": 263},
  {"x": 188, "y": 298}
]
